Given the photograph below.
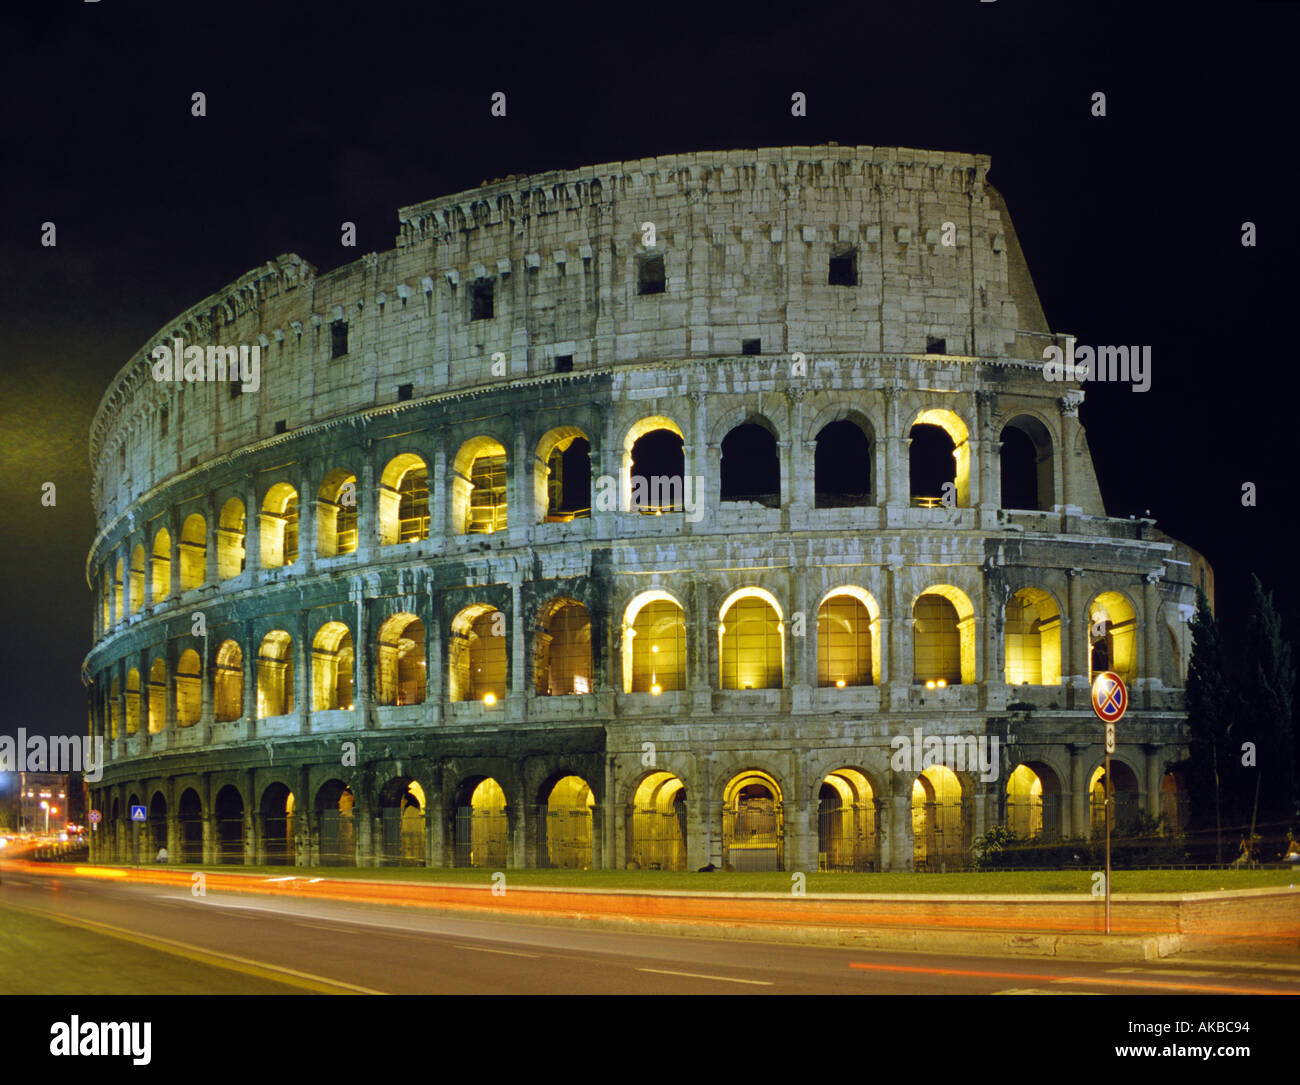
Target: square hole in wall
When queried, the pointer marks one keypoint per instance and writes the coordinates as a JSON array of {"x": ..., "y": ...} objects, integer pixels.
[
  {"x": 843, "y": 268},
  {"x": 751, "y": 346},
  {"x": 405, "y": 391},
  {"x": 236, "y": 389},
  {"x": 935, "y": 346},
  {"x": 282, "y": 426},
  {"x": 564, "y": 363},
  {"x": 338, "y": 338},
  {"x": 650, "y": 274},
  {"x": 162, "y": 422},
  {"x": 482, "y": 299}
]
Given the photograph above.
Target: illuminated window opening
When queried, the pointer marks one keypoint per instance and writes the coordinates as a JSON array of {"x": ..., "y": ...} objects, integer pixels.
[
  {"x": 230, "y": 539},
  {"x": 404, "y": 500},
  {"x": 400, "y": 663},
  {"x": 332, "y": 661},
  {"x": 162, "y": 566},
  {"x": 229, "y": 683},
  {"x": 275, "y": 675},
  {"x": 654, "y": 644},
  {"x": 939, "y": 454},
  {"x": 564, "y": 650},
  {"x": 1032, "y": 628},
  {"x": 751, "y": 642},
  {"x": 193, "y": 552},
  {"x": 938, "y": 821},
  {"x": 189, "y": 691},
  {"x": 848, "y": 651},
  {"x": 280, "y": 526},
  {"x": 336, "y": 514}
]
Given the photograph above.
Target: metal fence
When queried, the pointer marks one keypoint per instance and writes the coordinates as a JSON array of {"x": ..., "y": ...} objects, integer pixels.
[
  {"x": 753, "y": 836},
  {"x": 277, "y": 840},
  {"x": 337, "y": 839},
  {"x": 938, "y": 842},
  {"x": 565, "y": 837},
  {"x": 658, "y": 839},
  {"x": 848, "y": 838},
  {"x": 480, "y": 838},
  {"x": 401, "y": 838},
  {"x": 230, "y": 840},
  {"x": 1035, "y": 819}
]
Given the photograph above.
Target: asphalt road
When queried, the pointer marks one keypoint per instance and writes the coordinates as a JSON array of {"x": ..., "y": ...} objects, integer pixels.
[{"x": 99, "y": 937}]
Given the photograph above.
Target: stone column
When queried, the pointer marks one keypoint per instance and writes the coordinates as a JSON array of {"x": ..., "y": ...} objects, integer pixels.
[
  {"x": 306, "y": 519},
  {"x": 1074, "y": 633},
  {"x": 518, "y": 650},
  {"x": 209, "y": 821},
  {"x": 1076, "y": 810},
  {"x": 897, "y": 487},
  {"x": 368, "y": 508},
  {"x": 249, "y": 668},
  {"x": 1155, "y": 777},
  {"x": 363, "y": 653},
  {"x": 798, "y": 458},
  {"x": 700, "y": 463},
  {"x": 211, "y": 571},
  {"x": 252, "y": 528},
  {"x": 519, "y": 495},
  {"x": 898, "y": 658},
  {"x": 174, "y": 557},
  {"x": 986, "y": 471},
  {"x": 1151, "y": 623},
  {"x": 252, "y": 826},
  {"x": 1069, "y": 407},
  {"x": 302, "y": 663},
  {"x": 801, "y": 650}
]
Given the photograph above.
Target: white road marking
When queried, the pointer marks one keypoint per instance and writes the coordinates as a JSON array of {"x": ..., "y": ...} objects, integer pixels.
[
  {"x": 503, "y": 952},
  {"x": 701, "y": 976}
]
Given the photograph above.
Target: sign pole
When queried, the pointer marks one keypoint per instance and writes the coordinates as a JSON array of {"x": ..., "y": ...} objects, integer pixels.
[
  {"x": 1110, "y": 702},
  {"x": 1109, "y": 728}
]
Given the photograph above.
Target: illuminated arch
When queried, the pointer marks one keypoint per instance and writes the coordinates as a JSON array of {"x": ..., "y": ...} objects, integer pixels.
[
  {"x": 118, "y": 572},
  {"x": 400, "y": 663},
  {"x": 1124, "y": 797},
  {"x": 137, "y": 578},
  {"x": 1112, "y": 635},
  {"x": 114, "y": 708},
  {"x": 132, "y": 701},
  {"x": 847, "y": 827},
  {"x": 654, "y": 643},
  {"x": 657, "y": 823},
  {"x": 193, "y": 552},
  {"x": 1032, "y": 630},
  {"x": 161, "y": 586},
  {"x": 479, "y": 656},
  {"x": 753, "y": 828},
  {"x": 231, "y": 531},
  {"x": 336, "y": 514},
  {"x": 279, "y": 818},
  {"x": 189, "y": 826},
  {"x": 228, "y": 816},
  {"x": 1034, "y": 802},
  {"x": 751, "y": 641},
  {"x": 279, "y": 526},
  {"x": 570, "y": 813},
  {"x": 275, "y": 675},
  {"x": 943, "y": 637},
  {"x": 938, "y": 820},
  {"x": 229, "y": 682},
  {"x": 335, "y": 805},
  {"x": 649, "y": 459},
  {"x": 562, "y": 663},
  {"x": 332, "y": 660},
  {"x": 478, "y": 498},
  {"x": 157, "y": 696},
  {"x": 403, "y": 500},
  {"x": 955, "y": 428},
  {"x": 480, "y": 829},
  {"x": 848, "y": 638},
  {"x": 189, "y": 689},
  {"x": 562, "y": 476},
  {"x": 402, "y": 806}
]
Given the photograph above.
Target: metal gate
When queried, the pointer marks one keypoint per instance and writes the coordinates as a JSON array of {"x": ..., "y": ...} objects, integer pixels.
[
  {"x": 938, "y": 830},
  {"x": 753, "y": 836},
  {"x": 480, "y": 838},
  {"x": 191, "y": 840},
  {"x": 402, "y": 837},
  {"x": 659, "y": 838},
  {"x": 230, "y": 840},
  {"x": 567, "y": 837},
  {"x": 848, "y": 838},
  {"x": 338, "y": 839},
  {"x": 277, "y": 840}
]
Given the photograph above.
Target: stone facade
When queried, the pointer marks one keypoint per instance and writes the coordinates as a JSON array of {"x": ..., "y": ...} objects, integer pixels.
[{"x": 801, "y": 287}]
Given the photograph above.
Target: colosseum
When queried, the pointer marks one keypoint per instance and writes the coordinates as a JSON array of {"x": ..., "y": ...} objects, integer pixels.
[{"x": 631, "y": 516}]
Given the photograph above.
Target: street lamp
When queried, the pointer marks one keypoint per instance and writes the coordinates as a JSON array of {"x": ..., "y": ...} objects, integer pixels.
[{"x": 46, "y": 807}]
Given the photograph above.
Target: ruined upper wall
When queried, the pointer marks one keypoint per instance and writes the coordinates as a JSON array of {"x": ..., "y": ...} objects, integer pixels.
[{"x": 746, "y": 238}]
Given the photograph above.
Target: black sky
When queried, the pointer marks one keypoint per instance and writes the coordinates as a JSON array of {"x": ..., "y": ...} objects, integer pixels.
[{"x": 1131, "y": 223}]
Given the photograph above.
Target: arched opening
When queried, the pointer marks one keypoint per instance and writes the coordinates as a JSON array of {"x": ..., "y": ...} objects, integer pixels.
[
  {"x": 118, "y": 574},
  {"x": 654, "y": 644},
  {"x": 847, "y": 834},
  {"x": 189, "y": 689},
  {"x": 480, "y": 837},
  {"x": 1124, "y": 798},
  {"x": 1032, "y": 628},
  {"x": 190, "y": 818},
  {"x": 228, "y": 809},
  {"x": 157, "y": 696},
  {"x": 938, "y": 821},
  {"x": 753, "y": 828},
  {"x": 231, "y": 530},
  {"x": 842, "y": 466},
  {"x": 404, "y": 500},
  {"x": 334, "y": 815},
  {"x": 568, "y": 824},
  {"x": 114, "y": 708},
  {"x": 1174, "y": 808},
  {"x": 106, "y": 602},
  {"x": 1034, "y": 802},
  {"x": 1026, "y": 459},
  {"x": 336, "y": 514},
  {"x": 401, "y": 817},
  {"x": 228, "y": 685},
  {"x": 654, "y": 467},
  {"x": 400, "y": 664},
  {"x": 657, "y": 827},
  {"x": 751, "y": 468},
  {"x": 132, "y": 701},
  {"x": 193, "y": 552},
  {"x": 1112, "y": 634},
  {"x": 136, "y": 581},
  {"x": 279, "y": 825},
  {"x": 479, "y": 487},
  {"x": 751, "y": 641},
  {"x": 158, "y": 825},
  {"x": 162, "y": 566},
  {"x": 848, "y": 642},
  {"x": 479, "y": 660},
  {"x": 332, "y": 661},
  {"x": 563, "y": 649},
  {"x": 275, "y": 675},
  {"x": 279, "y": 526},
  {"x": 565, "y": 491},
  {"x": 939, "y": 460},
  {"x": 943, "y": 638}
]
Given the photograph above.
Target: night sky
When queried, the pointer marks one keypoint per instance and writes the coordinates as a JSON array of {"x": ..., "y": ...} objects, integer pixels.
[{"x": 1131, "y": 223}]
